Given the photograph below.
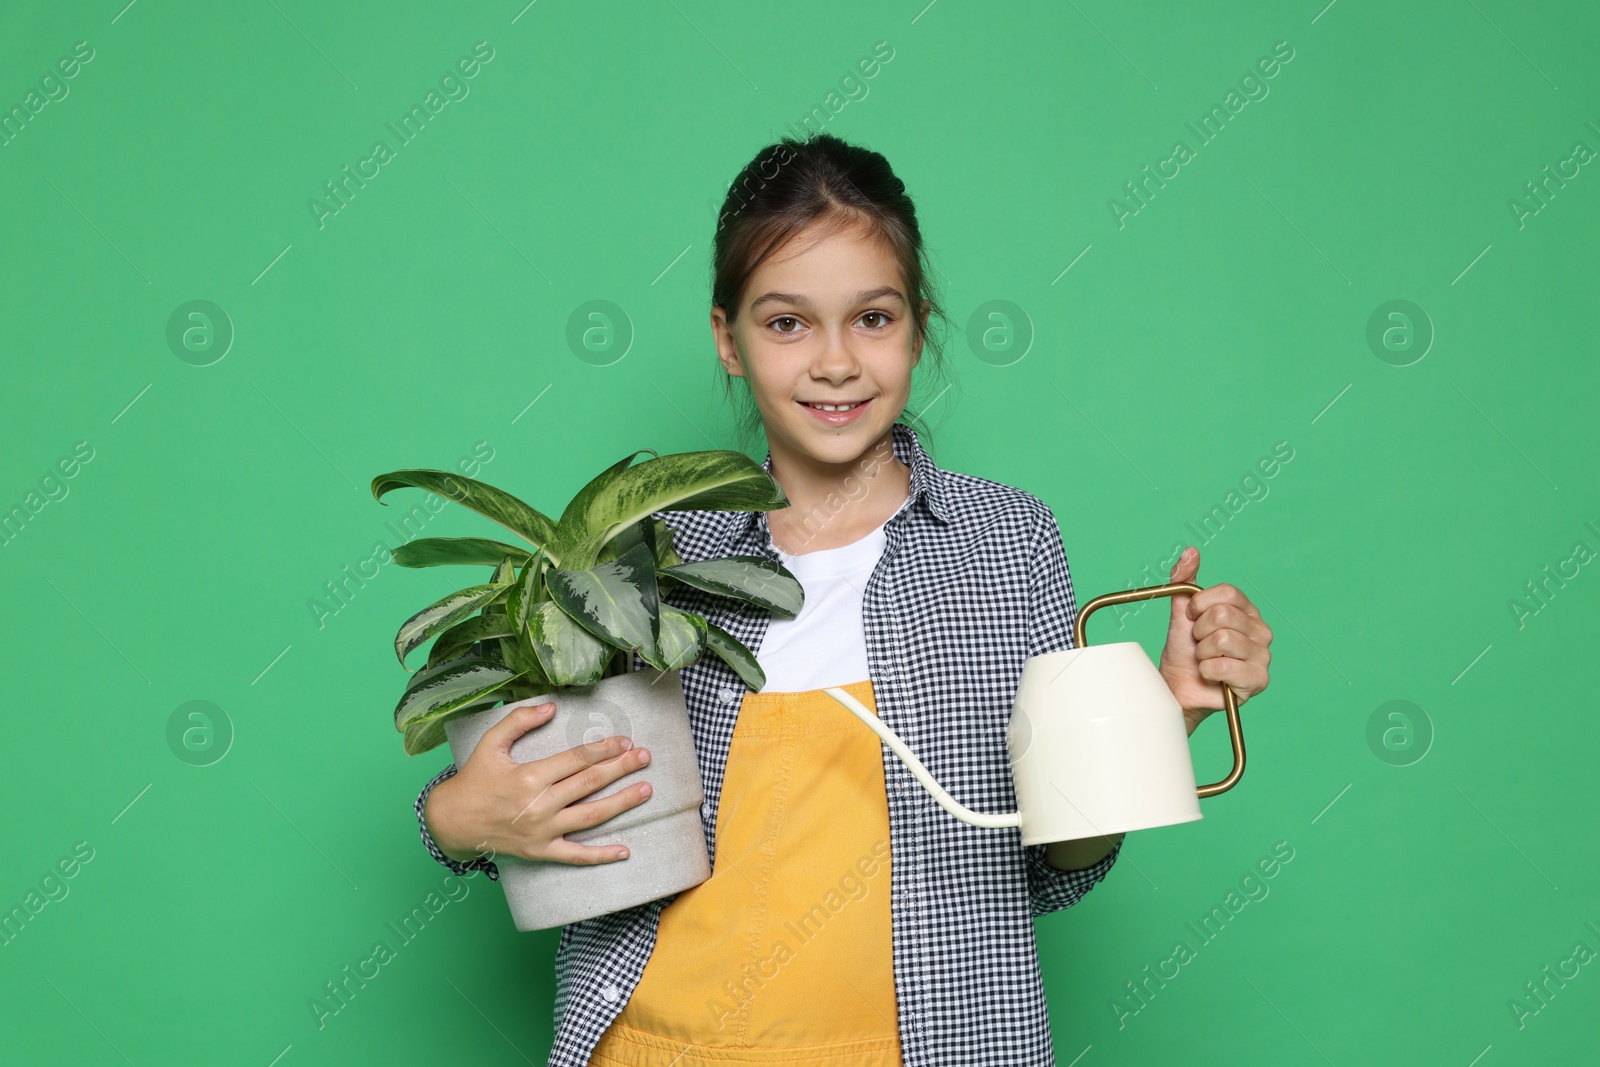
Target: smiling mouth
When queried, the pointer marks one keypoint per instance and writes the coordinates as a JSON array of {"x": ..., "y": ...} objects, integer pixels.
[{"x": 833, "y": 407}]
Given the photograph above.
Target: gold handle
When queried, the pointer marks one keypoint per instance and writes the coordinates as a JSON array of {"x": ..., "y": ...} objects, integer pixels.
[{"x": 1229, "y": 701}]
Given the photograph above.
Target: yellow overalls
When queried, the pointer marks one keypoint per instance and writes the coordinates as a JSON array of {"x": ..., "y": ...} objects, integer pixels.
[{"x": 784, "y": 955}]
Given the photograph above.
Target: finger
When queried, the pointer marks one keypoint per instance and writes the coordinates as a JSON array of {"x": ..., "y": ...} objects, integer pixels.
[
  {"x": 500, "y": 737},
  {"x": 544, "y": 777},
  {"x": 1242, "y": 676},
  {"x": 1234, "y": 644},
  {"x": 594, "y": 812},
  {"x": 570, "y": 761},
  {"x": 1221, "y": 593},
  {"x": 1183, "y": 571},
  {"x": 1231, "y": 617},
  {"x": 576, "y": 786},
  {"x": 564, "y": 851}
]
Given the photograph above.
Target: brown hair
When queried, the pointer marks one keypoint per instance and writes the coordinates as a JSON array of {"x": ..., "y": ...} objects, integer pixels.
[{"x": 826, "y": 183}]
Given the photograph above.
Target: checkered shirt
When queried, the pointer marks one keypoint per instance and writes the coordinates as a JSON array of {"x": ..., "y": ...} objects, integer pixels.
[{"x": 973, "y": 582}]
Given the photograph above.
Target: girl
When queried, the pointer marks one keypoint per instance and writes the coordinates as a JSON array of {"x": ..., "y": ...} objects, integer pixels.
[{"x": 848, "y": 919}]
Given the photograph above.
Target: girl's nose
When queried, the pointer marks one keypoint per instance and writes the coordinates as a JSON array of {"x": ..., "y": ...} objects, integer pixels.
[{"x": 835, "y": 361}]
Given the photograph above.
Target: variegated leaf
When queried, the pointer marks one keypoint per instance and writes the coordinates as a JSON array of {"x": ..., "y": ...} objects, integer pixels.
[
  {"x": 519, "y": 602},
  {"x": 495, "y": 504},
  {"x": 682, "y": 639},
  {"x": 578, "y": 508},
  {"x": 752, "y": 579},
  {"x": 737, "y": 656},
  {"x": 719, "y": 479},
  {"x": 460, "y": 637},
  {"x": 441, "y": 551},
  {"x": 450, "y": 686},
  {"x": 441, "y": 615},
  {"x": 615, "y": 601},
  {"x": 569, "y": 654}
]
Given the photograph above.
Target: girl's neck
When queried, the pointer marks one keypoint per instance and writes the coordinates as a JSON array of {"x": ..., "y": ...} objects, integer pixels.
[{"x": 832, "y": 505}]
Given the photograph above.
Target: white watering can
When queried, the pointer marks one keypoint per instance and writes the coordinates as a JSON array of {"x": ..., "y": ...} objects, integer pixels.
[{"x": 1097, "y": 741}]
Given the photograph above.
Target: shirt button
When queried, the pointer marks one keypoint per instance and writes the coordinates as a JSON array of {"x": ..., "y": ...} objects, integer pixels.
[
  {"x": 705, "y": 809},
  {"x": 611, "y": 992},
  {"x": 726, "y": 695}
]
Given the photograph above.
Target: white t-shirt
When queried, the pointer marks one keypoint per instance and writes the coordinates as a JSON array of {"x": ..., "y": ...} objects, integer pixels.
[{"x": 826, "y": 644}]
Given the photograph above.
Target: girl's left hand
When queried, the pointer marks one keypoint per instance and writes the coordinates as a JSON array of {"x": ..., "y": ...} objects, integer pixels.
[{"x": 1215, "y": 636}]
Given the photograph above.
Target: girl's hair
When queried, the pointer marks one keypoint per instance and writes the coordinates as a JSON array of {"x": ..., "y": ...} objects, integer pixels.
[{"x": 825, "y": 183}]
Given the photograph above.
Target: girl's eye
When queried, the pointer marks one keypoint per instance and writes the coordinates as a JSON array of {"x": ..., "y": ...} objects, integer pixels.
[
  {"x": 883, "y": 320},
  {"x": 784, "y": 318}
]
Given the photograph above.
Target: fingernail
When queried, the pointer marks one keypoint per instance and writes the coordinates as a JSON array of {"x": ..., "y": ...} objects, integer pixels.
[
  {"x": 644, "y": 789},
  {"x": 627, "y": 743},
  {"x": 622, "y": 853}
]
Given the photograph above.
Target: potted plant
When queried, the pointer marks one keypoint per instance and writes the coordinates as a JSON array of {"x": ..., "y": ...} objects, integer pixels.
[{"x": 561, "y": 618}]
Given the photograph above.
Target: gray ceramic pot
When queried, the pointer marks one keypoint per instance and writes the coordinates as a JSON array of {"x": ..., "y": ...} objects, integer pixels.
[{"x": 665, "y": 839}]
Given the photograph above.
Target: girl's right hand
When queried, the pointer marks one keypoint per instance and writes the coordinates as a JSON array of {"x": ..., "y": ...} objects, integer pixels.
[{"x": 497, "y": 806}]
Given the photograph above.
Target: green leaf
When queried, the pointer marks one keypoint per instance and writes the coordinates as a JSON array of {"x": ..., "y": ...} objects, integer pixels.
[
  {"x": 682, "y": 640},
  {"x": 521, "y": 690},
  {"x": 451, "y": 686},
  {"x": 519, "y": 602},
  {"x": 518, "y": 654},
  {"x": 422, "y": 736},
  {"x": 439, "y": 551},
  {"x": 719, "y": 480},
  {"x": 462, "y": 636},
  {"x": 504, "y": 574},
  {"x": 640, "y": 533},
  {"x": 569, "y": 654},
  {"x": 753, "y": 579},
  {"x": 496, "y": 504},
  {"x": 441, "y": 615},
  {"x": 428, "y": 734},
  {"x": 578, "y": 508},
  {"x": 615, "y": 601},
  {"x": 666, "y": 554},
  {"x": 737, "y": 656}
]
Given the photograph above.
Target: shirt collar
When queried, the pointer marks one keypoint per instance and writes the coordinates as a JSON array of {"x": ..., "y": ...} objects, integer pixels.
[{"x": 927, "y": 485}]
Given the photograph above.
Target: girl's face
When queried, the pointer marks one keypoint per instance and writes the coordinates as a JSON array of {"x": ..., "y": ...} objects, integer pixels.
[{"x": 824, "y": 321}]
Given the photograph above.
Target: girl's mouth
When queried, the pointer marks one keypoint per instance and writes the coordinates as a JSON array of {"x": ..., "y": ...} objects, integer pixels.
[{"x": 842, "y": 415}]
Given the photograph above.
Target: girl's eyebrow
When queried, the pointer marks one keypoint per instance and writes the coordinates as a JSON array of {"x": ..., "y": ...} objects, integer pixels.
[{"x": 794, "y": 298}]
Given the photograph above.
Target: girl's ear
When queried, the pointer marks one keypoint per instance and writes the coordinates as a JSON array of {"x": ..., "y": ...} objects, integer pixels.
[{"x": 727, "y": 346}]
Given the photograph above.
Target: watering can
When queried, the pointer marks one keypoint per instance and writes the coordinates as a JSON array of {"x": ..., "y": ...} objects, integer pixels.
[{"x": 1097, "y": 741}]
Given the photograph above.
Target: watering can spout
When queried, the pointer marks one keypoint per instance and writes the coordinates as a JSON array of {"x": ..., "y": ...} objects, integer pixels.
[{"x": 909, "y": 758}]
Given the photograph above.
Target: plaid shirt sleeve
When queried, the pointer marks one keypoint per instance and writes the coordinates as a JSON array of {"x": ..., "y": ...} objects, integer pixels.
[
  {"x": 1052, "y": 611},
  {"x": 482, "y": 863}
]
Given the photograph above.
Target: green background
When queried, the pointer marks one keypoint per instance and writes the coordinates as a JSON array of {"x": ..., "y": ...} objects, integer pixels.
[{"x": 587, "y": 163}]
